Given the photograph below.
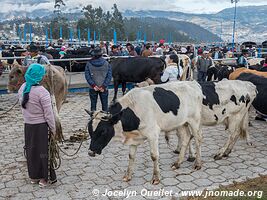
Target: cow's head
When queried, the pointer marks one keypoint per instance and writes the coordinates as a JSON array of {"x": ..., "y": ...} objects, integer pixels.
[
  {"x": 16, "y": 78},
  {"x": 101, "y": 131}
]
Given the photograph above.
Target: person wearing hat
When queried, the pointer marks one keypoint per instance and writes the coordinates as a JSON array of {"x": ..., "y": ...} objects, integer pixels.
[
  {"x": 38, "y": 119},
  {"x": 203, "y": 63},
  {"x": 31, "y": 52},
  {"x": 98, "y": 74},
  {"x": 42, "y": 56}
]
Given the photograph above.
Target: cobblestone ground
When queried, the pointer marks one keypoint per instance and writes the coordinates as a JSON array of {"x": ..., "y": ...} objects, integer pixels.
[{"x": 80, "y": 175}]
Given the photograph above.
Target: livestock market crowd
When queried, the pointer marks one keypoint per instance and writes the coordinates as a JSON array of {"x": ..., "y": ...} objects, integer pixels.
[{"x": 170, "y": 102}]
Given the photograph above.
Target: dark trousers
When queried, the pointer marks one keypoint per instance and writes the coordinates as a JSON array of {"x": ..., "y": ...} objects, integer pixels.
[
  {"x": 201, "y": 76},
  {"x": 103, "y": 98},
  {"x": 36, "y": 146}
]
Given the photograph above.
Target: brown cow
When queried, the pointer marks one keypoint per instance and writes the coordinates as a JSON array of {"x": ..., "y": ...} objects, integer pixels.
[
  {"x": 237, "y": 72},
  {"x": 54, "y": 81}
]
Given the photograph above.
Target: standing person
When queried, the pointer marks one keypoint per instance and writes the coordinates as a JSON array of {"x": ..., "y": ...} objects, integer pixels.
[
  {"x": 203, "y": 63},
  {"x": 138, "y": 49},
  {"x": 38, "y": 118},
  {"x": 1, "y": 68},
  {"x": 31, "y": 52},
  {"x": 147, "y": 52},
  {"x": 217, "y": 54},
  {"x": 115, "y": 51},
  {"x": 242, "y": 60},
  {"x": 174, "y": 71},
  {"x": 160, "y": 50},
  {"x": 155, "y": 47},
  {"x": 98, "y": 74},
  {"x": 132, "y": 51},
  {"x": 103, "y": 48},
  {"x": 63, "y": 52},
  {"x": 42, "y": 57}
]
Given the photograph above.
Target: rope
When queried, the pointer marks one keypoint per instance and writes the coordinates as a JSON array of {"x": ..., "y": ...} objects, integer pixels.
[
  {"x": 54, "y": 149},
  {"x": 53, "y": 153},
  {"x": 1, "y": 114}
]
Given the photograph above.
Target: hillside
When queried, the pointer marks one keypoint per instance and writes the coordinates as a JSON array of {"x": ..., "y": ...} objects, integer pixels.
[
  {"x": 164, "y": 28},
  {"x": 251, "y": 21}
]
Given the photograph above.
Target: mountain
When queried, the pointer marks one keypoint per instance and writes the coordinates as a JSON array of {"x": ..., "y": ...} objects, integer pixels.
[
  {"x": 251, "y": 21},
  {"x": 179, "y": 31},
  {"x": 43, "y": 14}
]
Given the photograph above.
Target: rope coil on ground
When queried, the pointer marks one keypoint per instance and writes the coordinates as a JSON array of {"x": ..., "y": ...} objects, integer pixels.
[{"x": 54, "y": 149}]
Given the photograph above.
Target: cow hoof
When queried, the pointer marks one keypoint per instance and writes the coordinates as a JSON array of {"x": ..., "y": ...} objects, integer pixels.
[
  {"x": 176, "y": 152},
  {"x": 217, "y": 157},
  {"x": 175, "y": 166},
  {"x": 197, "y": 166},
  {"x": 191, "y": 159},
  {"x": 155, "y": 181},
  {"x": 91, "y": 153},
  {"x": 127, "y": 178},
  {"x": 226, "y": 153},
  {"x": 249, "y": 143}
]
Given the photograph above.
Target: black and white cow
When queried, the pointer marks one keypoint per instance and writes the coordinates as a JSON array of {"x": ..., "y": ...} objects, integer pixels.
[
  {"x": 227, "y": 102},
  {"x": 143, "y": 113}
]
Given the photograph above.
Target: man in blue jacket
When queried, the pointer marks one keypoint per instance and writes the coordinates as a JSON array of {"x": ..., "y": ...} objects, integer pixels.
[{"x": 98, "y": 74}]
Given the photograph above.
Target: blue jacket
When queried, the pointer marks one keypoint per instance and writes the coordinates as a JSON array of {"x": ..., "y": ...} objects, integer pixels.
[{"x": 98, "y": 72}]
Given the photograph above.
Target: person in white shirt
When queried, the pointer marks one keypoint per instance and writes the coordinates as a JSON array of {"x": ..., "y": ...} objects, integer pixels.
[
  {"x": 174, "y": 71},
  {"x": 160, "y": 50}
]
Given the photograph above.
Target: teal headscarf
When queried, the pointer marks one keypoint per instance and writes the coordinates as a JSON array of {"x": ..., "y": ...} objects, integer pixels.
[{"x": 33, "y": 76}]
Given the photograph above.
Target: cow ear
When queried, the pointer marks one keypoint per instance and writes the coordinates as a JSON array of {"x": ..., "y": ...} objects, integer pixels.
[{"x": 91, "y": 113}]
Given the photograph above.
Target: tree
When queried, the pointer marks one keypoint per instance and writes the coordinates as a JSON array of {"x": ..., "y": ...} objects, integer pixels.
[
  {"x": 117, "y": 22},
  {"x": 55, "y": 24}
]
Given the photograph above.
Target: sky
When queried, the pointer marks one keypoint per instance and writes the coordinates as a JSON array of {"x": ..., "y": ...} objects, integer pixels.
[{"x": 190, "y": 6}]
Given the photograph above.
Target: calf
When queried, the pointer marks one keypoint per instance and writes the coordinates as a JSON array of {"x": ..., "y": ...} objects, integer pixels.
[
  {"x": 143, "y": 113},
  {"x": 227, "y": 102}
]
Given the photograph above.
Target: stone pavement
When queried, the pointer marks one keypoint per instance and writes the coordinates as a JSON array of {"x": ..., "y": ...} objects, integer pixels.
[{"x": 80, "y": 175}]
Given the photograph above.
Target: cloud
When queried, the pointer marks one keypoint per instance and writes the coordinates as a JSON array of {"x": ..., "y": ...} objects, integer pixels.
[{"x": 193, "y": 6}]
